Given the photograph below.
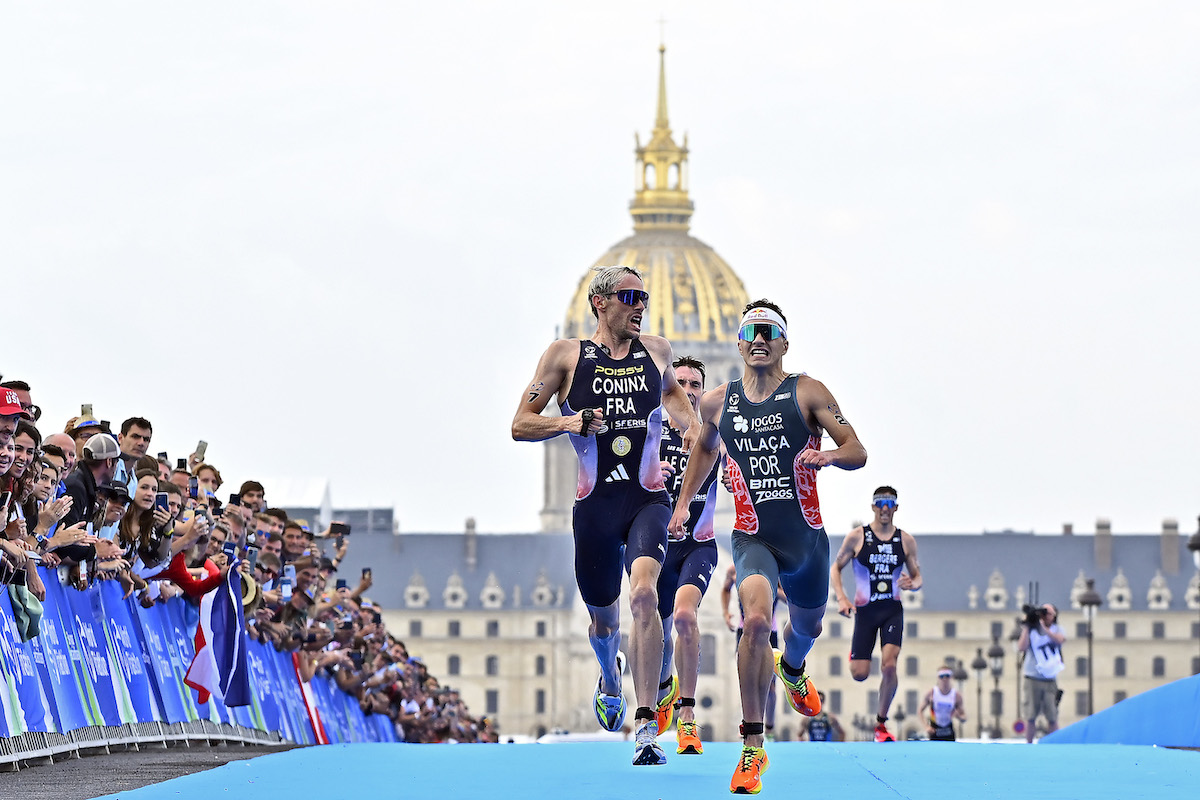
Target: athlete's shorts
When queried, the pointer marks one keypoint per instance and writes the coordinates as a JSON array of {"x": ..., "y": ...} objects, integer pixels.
[
  {"x": 1041, "y": 697},
  {"x": 883, "y": 619},
  {"x": 799, "y": 562},
  {"x": 942, "y": 733},
  {"x": 603, "y": 526},
  {"x": 687, "y": 562}
]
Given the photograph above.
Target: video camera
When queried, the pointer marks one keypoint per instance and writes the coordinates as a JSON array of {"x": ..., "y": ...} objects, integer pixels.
[{"x": 1034, "y": 615}]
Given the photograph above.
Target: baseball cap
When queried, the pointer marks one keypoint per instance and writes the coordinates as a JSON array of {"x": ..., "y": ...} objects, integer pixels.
[
  {"x": 10, "y": 405},
  {"x": 117, "y": 490},
  {"x": 100, "y": 447},
  {"x": 84, "y": 422}
]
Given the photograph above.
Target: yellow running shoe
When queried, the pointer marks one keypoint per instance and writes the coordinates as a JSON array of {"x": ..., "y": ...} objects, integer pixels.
[
  {"x": 801, "y": 694},
  {"x": 688, "y": 739},
  {"x": 664, "y": 715},
  {"x": 747, "y": 778}
]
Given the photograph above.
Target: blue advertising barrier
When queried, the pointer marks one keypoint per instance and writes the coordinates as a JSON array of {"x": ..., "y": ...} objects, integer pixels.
[{"x": 101, "y": 660}]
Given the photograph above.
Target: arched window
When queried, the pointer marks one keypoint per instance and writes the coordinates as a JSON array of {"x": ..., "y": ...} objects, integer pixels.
[
  {"x": 673, "y": 176},
  {"x": 648, "y": 177}
]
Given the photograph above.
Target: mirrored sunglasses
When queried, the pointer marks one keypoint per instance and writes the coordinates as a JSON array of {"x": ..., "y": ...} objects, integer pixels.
[
  {"x": 631, "y": 297},
  {"x": 945, "y": 674},
  {"x": 884, "y": 502},
  {"x": 768, "y": 332}
]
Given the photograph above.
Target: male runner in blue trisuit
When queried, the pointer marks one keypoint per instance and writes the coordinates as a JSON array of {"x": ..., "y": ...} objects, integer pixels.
[
  {"x": 611, "y": 390},
  {"x": 770, "y": 423}
]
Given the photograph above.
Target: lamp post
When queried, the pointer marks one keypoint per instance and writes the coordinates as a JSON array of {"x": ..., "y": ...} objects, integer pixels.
[
  {"x": 980, "y": 666},
  {"x": 996, "y": 659},
  {"x": 1089, "y": 601},
  {"x": 1194, "y": 545},
  {"x": 1014, "y": 636},
  {"x": 900, "y": 715},
  {"x": 960, "y": 675}
]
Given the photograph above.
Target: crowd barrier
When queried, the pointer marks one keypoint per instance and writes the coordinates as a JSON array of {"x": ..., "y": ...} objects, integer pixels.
[{"x": 105, "y": 671}]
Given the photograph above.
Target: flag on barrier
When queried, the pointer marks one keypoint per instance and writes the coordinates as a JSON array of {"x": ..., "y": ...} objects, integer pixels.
[{"x": 219, "y": 667}]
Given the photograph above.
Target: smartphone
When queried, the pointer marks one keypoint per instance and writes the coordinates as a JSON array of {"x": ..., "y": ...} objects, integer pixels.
[
  {"x": 5, "y": 499},
  {"x": 235, "y": 499},
  {"x": 339, "y": 528},
  {"x": 252, "y": 557},
  {"x": 193, "y": 488},
  {"x": 161, "y": 501},
  {"x": 285, "y": 588},
  {"x": 163, "y": 457},
  {"x": 366, "y": 573},
  {"x": 181, "y": 463},
  {"x": 86, "y": 410},
  {"x": 341, "y": 584},
  {"x": 230, "y": 549},
  {"x": 341, "y": 540},
  {"x": 289, "y": 572},
  {"x": 201, "y": 449}
]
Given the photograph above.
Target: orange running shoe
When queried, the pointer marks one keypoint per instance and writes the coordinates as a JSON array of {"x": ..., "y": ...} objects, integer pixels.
[
  {"x": 801, "y": 694},
  {"x": 747, "y": 778},
  {"x": 664, "y": 715},
  {"x": 688, "y": 739}
]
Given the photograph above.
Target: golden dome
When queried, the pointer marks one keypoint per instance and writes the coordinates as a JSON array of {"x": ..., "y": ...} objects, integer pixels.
[{"x": 694, "y": 295}]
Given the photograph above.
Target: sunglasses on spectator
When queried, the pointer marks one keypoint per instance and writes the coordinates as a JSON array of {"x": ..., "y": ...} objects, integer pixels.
[
  {"x": 32, "y": 410},
  {"x": 884, "y": 502},
  {"x": 631, "y": 297},
  {"x": 768, "y": 332}
]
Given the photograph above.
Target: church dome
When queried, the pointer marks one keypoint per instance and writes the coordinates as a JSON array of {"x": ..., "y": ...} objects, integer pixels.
[{"x": 695, "y": 297}]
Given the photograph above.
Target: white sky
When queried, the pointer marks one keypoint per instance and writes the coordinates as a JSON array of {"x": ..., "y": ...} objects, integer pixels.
[{"x": 334, "y": 238}]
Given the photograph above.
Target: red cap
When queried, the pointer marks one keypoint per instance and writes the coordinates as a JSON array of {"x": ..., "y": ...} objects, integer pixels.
[{"x": 10, "y": 405}]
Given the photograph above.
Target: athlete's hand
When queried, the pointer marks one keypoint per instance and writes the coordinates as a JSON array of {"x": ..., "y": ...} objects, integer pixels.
[
  {"x": 667, "y": 469},
  {"x": 729, "y": 620},
  {"x": 575, "y": 423},
  {"x": 675, "y": 526},
  {"x": 690, "y": 437},
  {"x": 726, "y": 479},
  {"x": 845, "y": 607},
  {"x": 815, "y": 459},
  {"x": 906, "y": 583}
]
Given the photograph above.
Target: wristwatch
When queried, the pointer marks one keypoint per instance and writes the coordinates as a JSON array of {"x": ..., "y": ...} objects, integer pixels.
[{"x": 42, "y": 542}]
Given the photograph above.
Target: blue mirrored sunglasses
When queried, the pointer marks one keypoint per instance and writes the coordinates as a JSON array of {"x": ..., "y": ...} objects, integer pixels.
[
  {"x": 769, "y": 332},
  {"x": 884, "y": 502},
  {"x": 631, "y": 297}
]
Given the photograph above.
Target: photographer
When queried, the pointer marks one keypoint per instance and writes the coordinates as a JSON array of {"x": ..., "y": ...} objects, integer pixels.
[{"x": 1041, "y": 642}]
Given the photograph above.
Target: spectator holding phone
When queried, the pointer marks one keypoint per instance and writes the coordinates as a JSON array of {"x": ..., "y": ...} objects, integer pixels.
[{"x": 143, "y": 530}]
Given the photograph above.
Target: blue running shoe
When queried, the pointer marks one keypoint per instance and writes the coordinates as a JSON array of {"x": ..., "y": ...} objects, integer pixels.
[
  {"x": 646, "y": 749},
  {"x": 610, "y": 709}
]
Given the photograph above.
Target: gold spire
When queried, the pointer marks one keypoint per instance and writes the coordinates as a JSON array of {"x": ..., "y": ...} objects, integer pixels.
[{"x": 660, "y": 200}]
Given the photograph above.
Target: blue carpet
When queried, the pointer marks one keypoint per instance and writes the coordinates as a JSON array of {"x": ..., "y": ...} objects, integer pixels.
[
  {"x": 602, "y": 771},
  {"x": 1168, "y": 716}
]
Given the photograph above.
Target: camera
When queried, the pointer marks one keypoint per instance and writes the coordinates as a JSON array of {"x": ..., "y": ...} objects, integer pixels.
[{"x": 1034, "y": 615}]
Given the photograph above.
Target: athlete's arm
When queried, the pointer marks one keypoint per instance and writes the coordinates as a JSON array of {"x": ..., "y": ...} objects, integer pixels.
[
  {"x": 926, "y": 703},
  {"x": 674, "y": 398},
  {"x": 911, "y": 581},
  {"x": 817, "y": 404},
  {"x": 849, "y": 549},
  {"x": 839, "y": 735},
  {"x": 702, "y": 458},
  {"x": 726, "y": 590},
  {"x": 960, "y": 710},
  {"x": 529, "y": 425}
]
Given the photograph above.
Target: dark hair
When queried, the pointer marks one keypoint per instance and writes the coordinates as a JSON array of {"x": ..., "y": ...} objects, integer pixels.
[
  {"x": 141, "y": 422},
  {"x": 764, "y": 303},
  {"x": 688, "y": 361},
  {"x": 277, "y": 513},
  {"x": 252, "y": 486},
  {"x": 887, "y": 490},
  {"x": 170, "y": 488},
  {"x": 54, "y": 450},
  {"x": 147, "y": 462},
  {"x": 20, "y": 386},
  {"x": 26, "y": 427},
  {"x": 144, "y": 519}
]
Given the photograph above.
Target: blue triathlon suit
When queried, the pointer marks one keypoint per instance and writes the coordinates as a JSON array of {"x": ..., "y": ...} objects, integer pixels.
[
  {"x": 778, "y": 531},
  {"x": 693, "y": 558},
  {"x": 820, "y": 729},
  {"x": 878, "y": 612},
  {"x": 620, "y": 501}
]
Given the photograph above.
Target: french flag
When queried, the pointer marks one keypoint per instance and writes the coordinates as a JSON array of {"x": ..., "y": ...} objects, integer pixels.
[{"x": 220, "y": 666}]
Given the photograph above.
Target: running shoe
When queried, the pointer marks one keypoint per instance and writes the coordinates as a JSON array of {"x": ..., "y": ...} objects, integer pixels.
[
  {"x": 646, "y": 748},
  {"x": 747, "y": 778},
  {"x": 664, "y": 715},
  {"x": 882, "y": 734},
  {"x": 610, "y": 709},
  {"x": 689, "y": 739},
  {"x": 801, "y": 694}
]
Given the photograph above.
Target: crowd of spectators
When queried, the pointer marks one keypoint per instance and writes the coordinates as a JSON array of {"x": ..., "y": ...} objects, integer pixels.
[{"x": 90, "y": 505}]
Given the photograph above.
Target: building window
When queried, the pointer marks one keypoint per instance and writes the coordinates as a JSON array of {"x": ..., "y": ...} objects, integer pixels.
[
  {"x": 835, "y": 630},
  {"x": 1081, "y": 667},
  {"x": 539, "y": 701},
  {"x": 541, "y": 629},
  {"x": 835, "y": 701},
  {"x": 1159, "y": 630},
  {"x": 1196, "y": 665},
  {"x": 1159, "y": 667},
  {"x": 873, "y": 701},
  {"x": 1081, "y": 704},
  {"x": 453, "y": 629},
  {"x": 949, "y": 629},
  {"x": 835, "y": 665},
  {"x": 910, "y": 630},
  {"x": 912, "y": 666},
  {"x": 708, "y": 654},
  {"x": 1196, "y": 630},
  {"x": 911, "y": 699},
  {"x": 1118, "y": 630},
  {"x": 414, "y": 628},
  {"x": 1119, "y": 696},
  {"x": 875, "y": 667},
  {"x": 997, "y": 630},
  {"x": 453, "y": 665},
  {"x": 493, "y": 665},
  {"x": 492, "y": 701},
  {"x": 493, "y": 628},
  {"x": 539, "y": 665},
  {"x": 1119, "y": 667}
]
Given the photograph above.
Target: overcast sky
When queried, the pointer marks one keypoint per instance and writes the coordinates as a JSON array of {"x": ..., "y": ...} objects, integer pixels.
[{"x": 334, "y": 238}]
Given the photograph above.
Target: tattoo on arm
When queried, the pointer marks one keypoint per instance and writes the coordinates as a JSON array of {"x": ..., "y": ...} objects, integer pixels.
[
  {"x": 837, "y": 414},
  {"x": 535, "y": 391}
]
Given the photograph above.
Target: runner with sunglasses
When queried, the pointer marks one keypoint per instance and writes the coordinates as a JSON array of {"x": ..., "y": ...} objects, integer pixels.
[
  {"x": 612, "y": 390},
  {"x": 770, "y": 423},
  {"x": 880, "y": 552}
]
